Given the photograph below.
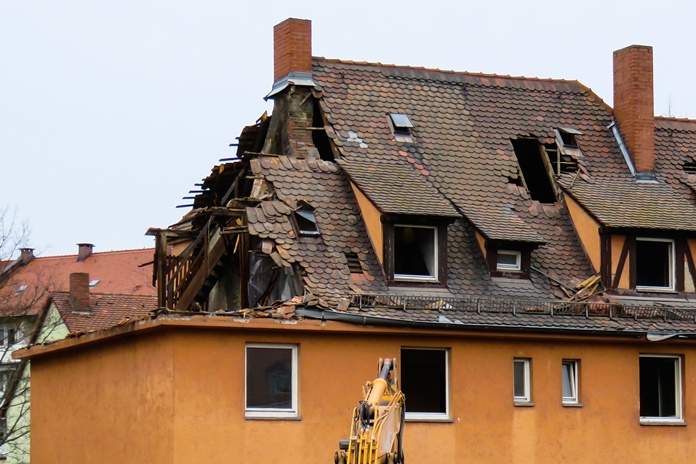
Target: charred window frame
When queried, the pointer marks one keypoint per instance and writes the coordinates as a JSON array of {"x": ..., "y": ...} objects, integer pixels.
[
  {"x": 425, "y": 382},
  {"x": 271, "y": 386},
  {"x": 415, "y": 251},
  {"x": 660, "y": 389}
]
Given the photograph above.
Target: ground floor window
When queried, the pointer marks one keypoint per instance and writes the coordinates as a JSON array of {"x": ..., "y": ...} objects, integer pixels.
[
  {"x": 424, "y": 381},
  {"x": 271, "y": 380},
  {"x": 660, "y": 388}
]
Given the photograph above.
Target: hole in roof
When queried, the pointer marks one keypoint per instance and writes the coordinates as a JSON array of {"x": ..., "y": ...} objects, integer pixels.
[
  {"x": 21, "y": 289},
  {"x": 354, "y": 265},
  {"x": 689, "y": 167},
  {"x": 567, "y": 135},
  {"x": 319, "y": 137},
  {"x": 92, "y": 283},
  {"x": 534, "y": 166}
]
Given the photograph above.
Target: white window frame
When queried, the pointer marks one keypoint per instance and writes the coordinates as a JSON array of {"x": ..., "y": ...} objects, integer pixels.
[
  {"x": 509, "y": 267},
  {"x": 279, "y": 413},
  {"x": 678, "y": 419},
  {"x": 431, "y": 416},
  {"x": 672, "y": 261},
  {"x": 420, "y": 278},
  {"x": 526, "y": 398},
  {"x": 572, "y": 367}
]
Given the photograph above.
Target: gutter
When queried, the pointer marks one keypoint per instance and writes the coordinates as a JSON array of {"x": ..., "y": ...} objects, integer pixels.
[{"x": 328, "y": 315}]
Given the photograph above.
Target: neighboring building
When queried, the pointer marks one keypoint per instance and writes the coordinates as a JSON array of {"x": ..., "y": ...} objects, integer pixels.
[
  {"x": 47, "y": 298},
  {"x": 525, "y": 251}
]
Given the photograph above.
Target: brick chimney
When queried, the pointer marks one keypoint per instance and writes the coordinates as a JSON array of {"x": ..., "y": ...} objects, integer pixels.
[
  {"x": 84, "y": 251},
  {"x": 292, "y": 48},
  {"x": 27, "y": 255},
  {"x": 634, "y": 106},
  {"x": 79, "y": 292}
]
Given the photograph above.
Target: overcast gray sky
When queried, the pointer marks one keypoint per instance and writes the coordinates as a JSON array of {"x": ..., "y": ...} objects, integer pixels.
[{"x": 110, "y": 111}]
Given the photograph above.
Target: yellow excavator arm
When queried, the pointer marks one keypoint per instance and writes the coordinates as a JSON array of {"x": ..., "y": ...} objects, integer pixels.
[{"x": 376, "y": 432}]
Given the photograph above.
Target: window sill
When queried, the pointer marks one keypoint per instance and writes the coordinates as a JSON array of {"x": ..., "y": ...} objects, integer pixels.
[
  {"x": 523, "y": 404},
  {"x": 573, "y": 405},
  {"x": 662, "y": 421},
  {"x": 657, "y": 290},
  {"x": 273, "y": 418},
  {"x": 446, "y": 420}
]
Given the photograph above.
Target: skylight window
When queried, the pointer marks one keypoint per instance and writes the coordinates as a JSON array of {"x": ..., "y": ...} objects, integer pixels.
[
  {"x": 402, "y": 123},
  {"x": 21, "y": 289},
  {"x": 93, "y": 283},
  {"x": 401, "y": 127},
  {"x": 306, "y": 222}
]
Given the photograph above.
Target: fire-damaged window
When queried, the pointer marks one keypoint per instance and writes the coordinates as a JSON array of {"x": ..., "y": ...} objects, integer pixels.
[
  {"x": 535, "y": 168},
  {"x": 660, "y": 389},
  {"x": 415, "y": 252},
  {"x": 425, "y": 382},
  {"x": 655, "y": 259},
  {"x": 271, "y": 381}
]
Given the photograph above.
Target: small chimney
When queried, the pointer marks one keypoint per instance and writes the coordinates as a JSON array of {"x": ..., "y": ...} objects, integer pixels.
[
  {"x": 79, "y": 291},
  {"x": 27, "y": 255},
  {"x": 292, "y": 48},
  {"x": 84, "y": 251},
  {"x": 634, "y": 106}
]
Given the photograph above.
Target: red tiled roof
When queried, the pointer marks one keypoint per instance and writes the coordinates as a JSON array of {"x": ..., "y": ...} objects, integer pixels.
[
  {"x": 107, "y": 310},
  {"x": 119, "y": 272}
]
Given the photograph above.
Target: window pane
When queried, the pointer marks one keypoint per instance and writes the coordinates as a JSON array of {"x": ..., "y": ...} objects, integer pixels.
[
  {"x": 520, "y": 379},
  {"x": 415, "y": 251},
  {"x": 424, "y": 380},
  {"x": 568, "y": 380},
  {"x": 269, "y": 378},
  {"x": 658, "y": 387},
  {"x": 653, "y": 264}
]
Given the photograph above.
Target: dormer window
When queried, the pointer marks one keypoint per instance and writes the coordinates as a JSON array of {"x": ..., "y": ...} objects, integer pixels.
[
  {"x": 655, "y": 264},
  {"x": 509, "y": 260},
  {"x": 401, "y": 126},
  {"x": 306, "y": 222},
  {"x": 415, "y": 250}
]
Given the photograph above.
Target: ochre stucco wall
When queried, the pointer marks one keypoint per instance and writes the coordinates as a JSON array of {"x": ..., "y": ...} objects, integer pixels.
[
  {"x": 373, "y": 221},
  {"x": 177, "y": 396},
  {"x": 108, "y": 404},
  {"x": 588, "y": 231},
  {"x": 617, "y": 245}
]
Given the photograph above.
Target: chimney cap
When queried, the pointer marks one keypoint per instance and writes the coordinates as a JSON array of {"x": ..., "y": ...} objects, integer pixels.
[{"x": 84, "y": 251}]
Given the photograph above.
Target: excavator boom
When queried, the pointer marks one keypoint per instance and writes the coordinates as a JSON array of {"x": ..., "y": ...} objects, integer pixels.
[{"x": 376, "y": 433}]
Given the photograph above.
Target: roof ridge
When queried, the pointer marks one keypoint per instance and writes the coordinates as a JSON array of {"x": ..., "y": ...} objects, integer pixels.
[
  {"x": 130, "y": 250},
  {"x": 449, "y": 71}
]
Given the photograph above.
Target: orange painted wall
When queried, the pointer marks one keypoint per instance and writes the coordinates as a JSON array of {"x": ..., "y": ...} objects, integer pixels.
[
  {"x": 176, "y": 396},
  {"x": 373, "y": 221},
  {"x": 617, "y": 244},
  {"x": 588, "y": 231}
]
